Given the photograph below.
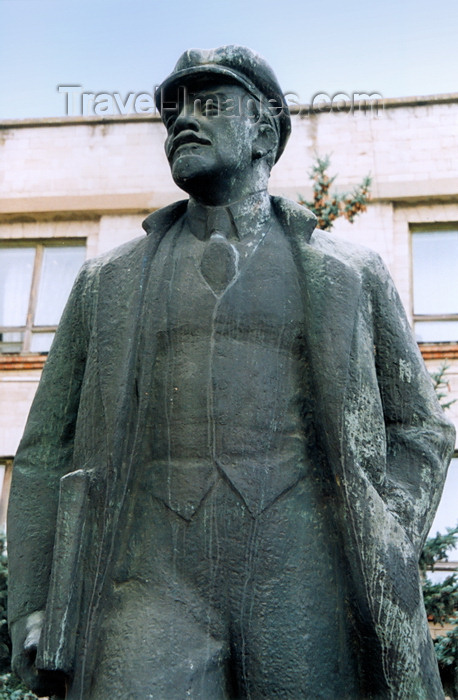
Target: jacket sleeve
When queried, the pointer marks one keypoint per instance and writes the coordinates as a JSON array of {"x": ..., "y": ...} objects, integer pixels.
[
  {"x": 419, "y": 438},
  {"x": 396, "y": 448},
  {"x": 45, "y": 454}
]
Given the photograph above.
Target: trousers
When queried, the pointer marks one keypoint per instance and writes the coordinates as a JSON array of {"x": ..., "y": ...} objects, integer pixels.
[{"x": 228, "y": 605}]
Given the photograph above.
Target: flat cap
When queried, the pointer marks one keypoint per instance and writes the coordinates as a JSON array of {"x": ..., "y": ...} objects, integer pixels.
[{"x": 232, "y": 64}]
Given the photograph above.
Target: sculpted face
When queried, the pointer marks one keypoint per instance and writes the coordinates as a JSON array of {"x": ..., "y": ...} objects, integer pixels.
[{"x": 210, "y": 142}]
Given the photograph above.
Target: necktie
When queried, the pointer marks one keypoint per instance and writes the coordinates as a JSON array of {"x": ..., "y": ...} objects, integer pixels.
[{"x": 219, "y": 260}]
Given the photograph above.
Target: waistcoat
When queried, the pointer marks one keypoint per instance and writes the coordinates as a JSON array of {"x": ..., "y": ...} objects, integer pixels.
[{"x": 225, "y": 385}]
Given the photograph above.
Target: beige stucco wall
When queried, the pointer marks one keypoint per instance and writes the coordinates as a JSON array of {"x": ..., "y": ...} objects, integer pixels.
[
  {"x": 16, "y": 394},
  {"x": 98, "y": 178}
]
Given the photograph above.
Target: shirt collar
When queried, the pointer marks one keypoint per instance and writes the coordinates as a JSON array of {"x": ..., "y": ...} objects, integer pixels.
[{"x": 237, "y": 220}]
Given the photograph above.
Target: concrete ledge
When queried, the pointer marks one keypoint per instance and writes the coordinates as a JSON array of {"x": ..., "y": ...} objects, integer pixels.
[
  {"x": 409, "y": 190},
  {"x": 144, "y": 202},
  {"x": 72, "y": 121},
  {"x": 131, "y": 202}
]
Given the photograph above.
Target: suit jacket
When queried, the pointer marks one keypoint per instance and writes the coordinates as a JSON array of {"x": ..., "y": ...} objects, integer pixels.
[{"x": 386, "y": 442}]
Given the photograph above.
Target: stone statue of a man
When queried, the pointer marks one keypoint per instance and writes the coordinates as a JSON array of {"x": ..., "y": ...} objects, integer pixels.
[{"x": 235, "y": 452}]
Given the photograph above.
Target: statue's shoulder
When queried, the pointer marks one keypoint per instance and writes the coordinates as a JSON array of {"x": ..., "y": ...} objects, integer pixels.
[
  {"x": 301, "y": 224},
  {"x": 119, "y": 253},
  {"x": 355, "y": 255},
  {"x": 155, "y": 226},
  {"x": 366, "y": 263}
]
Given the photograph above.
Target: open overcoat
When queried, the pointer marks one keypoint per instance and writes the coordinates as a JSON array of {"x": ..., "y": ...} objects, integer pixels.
[{"x": 385, "y": 440}]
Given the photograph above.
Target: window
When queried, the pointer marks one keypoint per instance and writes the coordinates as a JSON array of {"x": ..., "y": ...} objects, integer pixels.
[
  {"x": 35, "y": 281},
  {"x": 435, "y": 285},
  {"x": 6, "y": 470},
  {"x": 447, "y": 516}
]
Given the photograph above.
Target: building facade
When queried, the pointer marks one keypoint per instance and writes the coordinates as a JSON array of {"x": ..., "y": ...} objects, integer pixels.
[{"x": 75, "y": 187}]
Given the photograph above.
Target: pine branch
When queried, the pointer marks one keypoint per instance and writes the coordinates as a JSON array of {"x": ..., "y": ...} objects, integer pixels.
[
  {"x": 436, "y": 548},
  {"x": 329, "y": 206},
  {"x": 441, "y": 385}
]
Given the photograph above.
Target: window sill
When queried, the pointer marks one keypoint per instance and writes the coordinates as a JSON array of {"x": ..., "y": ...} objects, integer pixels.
[
  {"x": 439, "y": 351},
  {"x": 21, "y": 362}
]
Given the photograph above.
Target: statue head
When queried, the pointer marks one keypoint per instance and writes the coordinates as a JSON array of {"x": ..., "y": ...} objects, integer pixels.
[{"x": 227, "y": 122}]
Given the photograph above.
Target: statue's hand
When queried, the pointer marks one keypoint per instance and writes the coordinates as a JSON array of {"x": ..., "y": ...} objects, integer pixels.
[{"x": 25, "y": 636}]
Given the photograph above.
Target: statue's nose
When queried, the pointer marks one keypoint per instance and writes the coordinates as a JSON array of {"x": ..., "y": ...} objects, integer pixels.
[{"x": 185, "y": 120}]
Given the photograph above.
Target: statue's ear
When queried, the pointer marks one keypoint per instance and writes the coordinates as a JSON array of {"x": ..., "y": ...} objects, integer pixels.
[{"x": 265, "y": 141}]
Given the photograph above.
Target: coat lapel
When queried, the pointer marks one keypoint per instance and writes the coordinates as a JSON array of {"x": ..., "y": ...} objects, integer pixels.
[
  {"x": 123, "y": 283},
  {"x": 123, "y": 286},
  {"x": 331, "y": 292}
]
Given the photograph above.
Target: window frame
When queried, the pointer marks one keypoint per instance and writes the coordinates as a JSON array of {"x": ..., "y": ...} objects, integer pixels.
[
  {"x": 419, "y": 228},
  {"x": 29, "y": 329}
]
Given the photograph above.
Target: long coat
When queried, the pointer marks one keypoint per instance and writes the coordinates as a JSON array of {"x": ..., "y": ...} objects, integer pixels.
[{"x": 385, "y": 439}]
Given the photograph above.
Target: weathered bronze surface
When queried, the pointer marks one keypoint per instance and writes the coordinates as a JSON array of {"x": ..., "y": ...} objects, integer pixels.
[{"x": 235, "y": 452}]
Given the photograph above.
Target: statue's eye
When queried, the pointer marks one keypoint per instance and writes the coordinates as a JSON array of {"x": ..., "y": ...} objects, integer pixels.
[{"x": 210, "y": 108}]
